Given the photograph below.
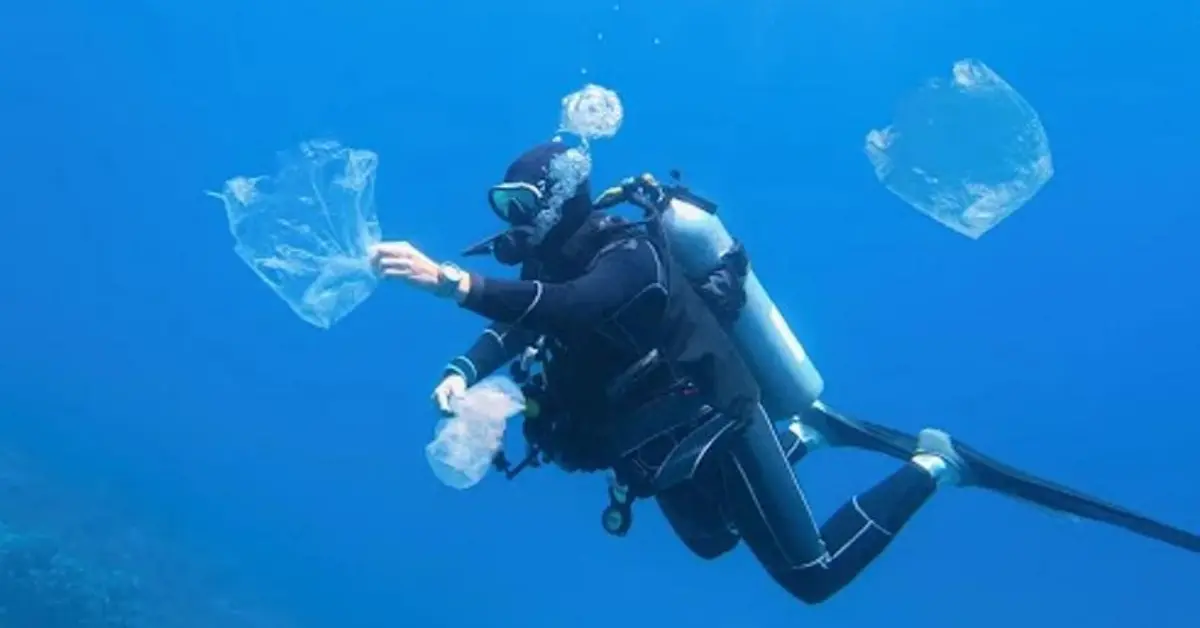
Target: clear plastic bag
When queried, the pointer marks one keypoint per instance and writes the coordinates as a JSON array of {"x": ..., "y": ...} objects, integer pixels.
[
  {"x": 462, "y": 450},
  {"x": 967, "y": 152},
  {"x": 306, "y": 230}
]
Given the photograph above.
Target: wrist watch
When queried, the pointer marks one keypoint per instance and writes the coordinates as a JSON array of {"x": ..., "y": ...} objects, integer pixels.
[{"x": 449, "y": 278}]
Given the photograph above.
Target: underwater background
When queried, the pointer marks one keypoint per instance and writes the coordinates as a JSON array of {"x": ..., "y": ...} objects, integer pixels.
[{"x": 171, "y": 434}]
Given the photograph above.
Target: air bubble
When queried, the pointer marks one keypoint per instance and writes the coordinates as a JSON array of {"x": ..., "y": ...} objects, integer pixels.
[{"x": 592, "y": 112}]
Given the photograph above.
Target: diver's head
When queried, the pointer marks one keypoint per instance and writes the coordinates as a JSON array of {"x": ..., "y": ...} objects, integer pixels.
[{"x": 545, "y": 198}]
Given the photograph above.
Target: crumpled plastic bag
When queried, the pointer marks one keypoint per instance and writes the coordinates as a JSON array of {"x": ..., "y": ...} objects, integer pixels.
[{"x": 465, "y": 444}]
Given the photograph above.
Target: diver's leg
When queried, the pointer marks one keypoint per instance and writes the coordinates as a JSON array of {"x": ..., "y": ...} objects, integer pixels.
[
  {"x": 694, "y": 511},
  {"x": 770, "y": 511}
]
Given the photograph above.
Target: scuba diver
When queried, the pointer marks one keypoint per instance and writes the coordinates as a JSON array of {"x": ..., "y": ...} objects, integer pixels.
[{"x": 649, "y": 371}]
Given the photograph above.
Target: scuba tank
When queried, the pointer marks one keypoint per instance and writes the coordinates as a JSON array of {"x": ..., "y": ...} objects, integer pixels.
[{"x": 701, "y": 244}]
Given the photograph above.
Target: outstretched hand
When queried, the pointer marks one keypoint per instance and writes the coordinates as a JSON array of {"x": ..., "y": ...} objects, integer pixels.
[{"x": 403, "y": 261}]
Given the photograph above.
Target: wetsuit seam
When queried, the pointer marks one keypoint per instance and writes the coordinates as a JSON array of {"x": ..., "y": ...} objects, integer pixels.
[
  {"x": 870, "y": 521},
  {"x": 791, "y": 450},
  {"x": 849, "y": 542},
  {"x": 758, "y": 506},
  {"x": 537, "y": 298}
]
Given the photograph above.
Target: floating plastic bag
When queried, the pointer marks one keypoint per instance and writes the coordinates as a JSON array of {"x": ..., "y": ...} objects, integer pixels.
[
  {"x": 462, "y": 451},
  {"x": 306, "y": 230},
  {"x": 966, "y": 152}
]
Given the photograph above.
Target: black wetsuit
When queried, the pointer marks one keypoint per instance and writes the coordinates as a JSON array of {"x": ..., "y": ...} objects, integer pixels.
[{"x": 607, "y": 306}]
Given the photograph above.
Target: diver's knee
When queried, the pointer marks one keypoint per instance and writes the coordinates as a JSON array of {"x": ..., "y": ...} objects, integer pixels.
[
  {"x": 710, "y": 548},
  {"x": 813, "y": 597},
  {"x": 711, "y": 552},
  {"x": 805, "y": 585}
]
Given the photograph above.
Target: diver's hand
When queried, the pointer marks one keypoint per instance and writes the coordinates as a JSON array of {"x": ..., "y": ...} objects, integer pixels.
[
  {"x": 403, "y": 261},
  {"x": 453, "y": 387}
]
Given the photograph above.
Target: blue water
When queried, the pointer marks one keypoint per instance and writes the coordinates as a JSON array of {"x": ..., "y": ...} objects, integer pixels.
[{"x": 137, "y": 352}]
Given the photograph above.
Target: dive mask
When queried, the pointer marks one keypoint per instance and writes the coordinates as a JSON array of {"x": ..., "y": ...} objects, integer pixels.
[{"x": 517, "y": 203}]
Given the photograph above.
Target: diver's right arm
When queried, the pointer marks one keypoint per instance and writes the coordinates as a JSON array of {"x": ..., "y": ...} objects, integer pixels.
[{"x": 498, "y": 345}]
